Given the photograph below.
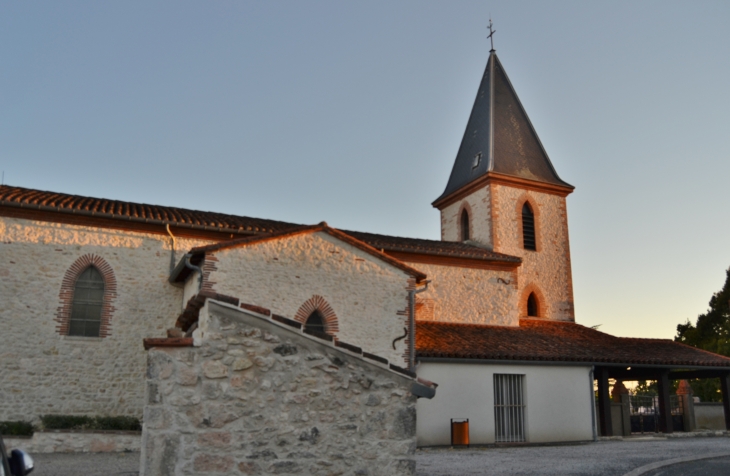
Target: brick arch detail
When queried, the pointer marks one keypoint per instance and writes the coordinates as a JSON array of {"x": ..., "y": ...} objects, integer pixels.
[
  {"x": 66, "y": 295},
  {"x": 541, "y": 303},
  {"x": 318, "y": 303},
  {"x": 465, "y": 206},
  {"x": 525, "y": 197}
]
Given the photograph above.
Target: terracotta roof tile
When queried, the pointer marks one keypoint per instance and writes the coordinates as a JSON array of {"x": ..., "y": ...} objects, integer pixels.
[
  {"x": 99, "y": 207},
  {"x": 452, "y": 249},
  {"x": 543, "y": 340}
]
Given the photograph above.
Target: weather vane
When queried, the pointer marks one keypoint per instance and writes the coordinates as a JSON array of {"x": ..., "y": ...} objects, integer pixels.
[{"x": 491, "y": 33}]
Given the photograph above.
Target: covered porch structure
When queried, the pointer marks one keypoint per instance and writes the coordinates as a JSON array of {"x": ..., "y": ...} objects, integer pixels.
[{"x": 663, "y": 375}]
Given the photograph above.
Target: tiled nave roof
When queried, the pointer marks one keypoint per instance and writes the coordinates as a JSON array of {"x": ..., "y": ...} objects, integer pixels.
[
  {"x": 138, "y": 212},
  {"x": 24, "y": 198}
]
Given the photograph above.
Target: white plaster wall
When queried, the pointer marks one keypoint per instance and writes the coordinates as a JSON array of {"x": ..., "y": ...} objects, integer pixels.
[
  {"x": 549, "y": 268},
  {"x": 43, "y": 372},
  {"x": 558, "y": 402},
  {"x": 471, "y": 296},
  {"x": 368, "y": 295},
  {"x": 480, "y": 218}
]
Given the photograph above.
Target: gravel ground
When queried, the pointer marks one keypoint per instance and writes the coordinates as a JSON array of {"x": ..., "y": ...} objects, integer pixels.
[{"x": 605, "y": 458}]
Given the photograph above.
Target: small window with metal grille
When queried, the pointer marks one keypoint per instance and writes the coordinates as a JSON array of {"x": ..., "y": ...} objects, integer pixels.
[
  {"x": 528, "y": 228},
  {"x": 532, "y": 305},
  {"x": 315, "y": 323},
  {"x": 464, "y": 225},
  {"x": 87, "y": 304},
  {"x": 509, "y": 408}
]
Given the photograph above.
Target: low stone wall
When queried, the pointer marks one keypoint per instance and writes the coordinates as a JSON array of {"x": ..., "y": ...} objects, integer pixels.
[
  {"x": 259, "y": 397},
  {"x": 710, "y": 416},
  {"x": 76, "y": 442}
]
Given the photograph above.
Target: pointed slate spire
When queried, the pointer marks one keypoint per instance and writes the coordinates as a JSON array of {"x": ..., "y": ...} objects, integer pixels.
[{"x": 499, "y": 137}]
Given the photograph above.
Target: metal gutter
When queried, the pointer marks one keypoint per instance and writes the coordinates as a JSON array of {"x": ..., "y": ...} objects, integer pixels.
[
  {"x": 563, "y": 363},
  {"x": 593, "y": 406}
]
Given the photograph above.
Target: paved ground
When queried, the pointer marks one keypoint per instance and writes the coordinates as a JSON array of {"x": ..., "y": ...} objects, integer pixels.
[
  {"x": 606, "y": 458},
  {"x": 696, "y": 468}
]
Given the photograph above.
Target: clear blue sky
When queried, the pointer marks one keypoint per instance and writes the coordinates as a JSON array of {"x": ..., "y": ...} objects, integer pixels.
[{"x": 352, "y": 112}]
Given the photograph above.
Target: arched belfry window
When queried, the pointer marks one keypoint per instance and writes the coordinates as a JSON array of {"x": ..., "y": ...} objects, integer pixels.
[
  {"x": 315, "y": 323},
  {"x": 464, "y": 225},
  {"x": 532, "y": 305},
  {"x": 87, "y": 304},
  {"x": 528, "y": 228}
]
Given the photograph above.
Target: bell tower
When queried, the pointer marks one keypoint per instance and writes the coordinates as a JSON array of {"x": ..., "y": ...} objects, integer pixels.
[{"x": 504, "y": 194}]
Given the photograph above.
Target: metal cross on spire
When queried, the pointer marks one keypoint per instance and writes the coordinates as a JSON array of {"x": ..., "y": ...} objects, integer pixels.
[{"x": 491, "y": 34}]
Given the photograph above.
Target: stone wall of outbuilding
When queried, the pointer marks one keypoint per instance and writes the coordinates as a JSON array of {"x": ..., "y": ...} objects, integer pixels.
[
  {"x": 258, "y": 397},
  {"x": 45, "y": 372}
]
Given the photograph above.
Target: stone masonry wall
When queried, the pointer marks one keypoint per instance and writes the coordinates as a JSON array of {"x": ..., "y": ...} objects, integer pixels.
[
  {"x": 368, "y": 296},
  {"x": 480, "y": 219},
  {"x": 43, "y": 372},
  {"x": 470, "y": 296},
  {"x": 257, "y": 397},
  {"x": 547, "y": 271}
]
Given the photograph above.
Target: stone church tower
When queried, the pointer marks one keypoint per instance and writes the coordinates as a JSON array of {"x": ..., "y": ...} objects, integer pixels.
[{"x": 505, "y": 195}]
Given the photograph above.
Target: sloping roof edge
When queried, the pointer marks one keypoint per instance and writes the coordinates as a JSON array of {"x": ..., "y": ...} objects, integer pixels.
[{"x": 321, "y": 227}]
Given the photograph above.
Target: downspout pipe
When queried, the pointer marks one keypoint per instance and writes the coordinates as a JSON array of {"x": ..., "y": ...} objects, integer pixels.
[
  {"x": 593, "y": 405},
  {"x": 172, "y": 248},
  {"x": 191, "y": 266},
  {"x": 412, "y": 325}
]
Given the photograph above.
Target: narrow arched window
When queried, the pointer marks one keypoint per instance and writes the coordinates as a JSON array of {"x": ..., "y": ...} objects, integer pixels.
[
  {"x": 528, "y": 228},
  {"x": 315, "y": 323},
  {"x": 532, "y": 305},
  {"x": 464, "y": 225},
  {"x": 87, "y": 303}
]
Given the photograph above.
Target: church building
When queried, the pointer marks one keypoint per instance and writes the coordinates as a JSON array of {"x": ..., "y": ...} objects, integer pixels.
[{"x": 486, "y": 313}]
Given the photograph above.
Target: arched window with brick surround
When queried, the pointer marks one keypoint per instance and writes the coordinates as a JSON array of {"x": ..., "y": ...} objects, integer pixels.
[
  {"x": 88, "y": 300},
  {"x": 315, "y": 323},
  {"x": 532, "y": 307},
  {"x": 464, "y": 225},
  {"x": 317, "y": 315},
  {"x": 528, "y": 228},
  {"x": 86, "y": 296}
]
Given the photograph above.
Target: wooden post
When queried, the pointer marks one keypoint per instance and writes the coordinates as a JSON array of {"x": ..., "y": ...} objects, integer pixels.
[
  {"x": 604, "y": 402},
  {"x": 665, "y": 407},
  {"x": 725, "y": 386}
]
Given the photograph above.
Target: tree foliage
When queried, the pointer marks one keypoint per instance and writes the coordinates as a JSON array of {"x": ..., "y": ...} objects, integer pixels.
[{"x": 710, "y": 332}]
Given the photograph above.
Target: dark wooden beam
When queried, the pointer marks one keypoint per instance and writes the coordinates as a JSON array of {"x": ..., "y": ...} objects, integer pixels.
[
  {"x": 648, "y": 373},
  {"x": 725, "y": 387},
  {"x": 692, "y": 374},
  {"x": 665, "y": 408},
  {"x": 604, "y": 402}
]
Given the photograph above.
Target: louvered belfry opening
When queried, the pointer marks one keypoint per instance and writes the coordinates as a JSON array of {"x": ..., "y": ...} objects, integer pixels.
[
  {"x": 464, "y": 225},
  {"x": 87, "y": 304},
  {"x": 509, "y": 408},
  {"x": 315, "y": 323},
  {"x": 528, "y": 228},
  {"x": 532, "y": 305}
]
